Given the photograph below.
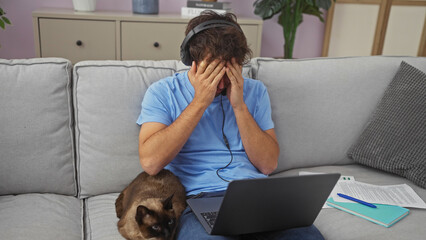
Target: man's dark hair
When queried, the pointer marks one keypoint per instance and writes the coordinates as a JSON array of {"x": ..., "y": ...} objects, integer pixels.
[{"x": 221, "y": 42}]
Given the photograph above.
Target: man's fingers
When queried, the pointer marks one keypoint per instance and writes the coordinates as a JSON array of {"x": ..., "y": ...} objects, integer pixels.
[
  {"x": 235, "y": 68},
  {"x": 193, "y": 69},
  {"x": 231, "y": 76},
  {"x": 233, "y": 73},
  {"x": 235, "y": 64},
  {"x": 211, "y": 67},
  {"x": 219, "y": 76},
  {"x": 202, "y": 67},
  {"x": 217, "y": 70},
  {"x": 204, "y": 64}
]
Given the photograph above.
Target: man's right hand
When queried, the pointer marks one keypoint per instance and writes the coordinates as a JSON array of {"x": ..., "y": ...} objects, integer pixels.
[{"x": 205, "y": 78}]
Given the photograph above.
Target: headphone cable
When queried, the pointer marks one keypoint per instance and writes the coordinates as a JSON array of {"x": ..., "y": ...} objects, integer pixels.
[{"x": 225, "y": 139}]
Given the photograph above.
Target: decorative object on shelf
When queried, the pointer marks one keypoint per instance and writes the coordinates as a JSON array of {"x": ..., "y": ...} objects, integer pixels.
[
  {"x": 84, "y": 5},
  {"x": 194, "y": 8},
  {"x": 145, "y": 6},
  {"x": 209, "y": 5},
  {"x": 291, "y": 16}
]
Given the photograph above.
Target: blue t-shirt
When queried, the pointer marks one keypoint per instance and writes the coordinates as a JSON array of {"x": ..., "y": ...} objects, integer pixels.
[{"x": 205, "y": 150}]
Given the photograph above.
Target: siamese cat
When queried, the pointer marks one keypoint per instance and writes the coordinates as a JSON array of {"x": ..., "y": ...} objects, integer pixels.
[{"x": 150, "y": 207}]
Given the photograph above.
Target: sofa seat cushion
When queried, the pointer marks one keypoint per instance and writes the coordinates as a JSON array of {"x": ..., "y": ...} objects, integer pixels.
[
  {"x": 336, "y": 224},
  {"x": 100, "y": 218},
  {"x": 40, "y": 216}
]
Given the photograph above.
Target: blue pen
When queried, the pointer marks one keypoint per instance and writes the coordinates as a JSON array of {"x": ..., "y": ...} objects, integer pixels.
[{"x": 356, "y": 200}]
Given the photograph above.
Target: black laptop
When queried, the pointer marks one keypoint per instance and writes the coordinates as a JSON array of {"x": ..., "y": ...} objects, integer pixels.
[{"x": 265, "y": 204}]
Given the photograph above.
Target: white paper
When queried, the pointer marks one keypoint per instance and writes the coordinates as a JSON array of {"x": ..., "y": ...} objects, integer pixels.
[
  {"x": 334, "y": 191},
  {"x": 400, "y": 195}
]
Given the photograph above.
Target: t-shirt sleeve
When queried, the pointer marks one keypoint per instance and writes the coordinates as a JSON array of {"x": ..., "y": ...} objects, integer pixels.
[
  {"x": 155, "y": 107},
  {"x": 263, "y": 113}
]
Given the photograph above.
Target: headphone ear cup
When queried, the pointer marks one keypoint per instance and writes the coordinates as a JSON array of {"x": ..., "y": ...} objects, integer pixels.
[{"x": 185, "y": 56}]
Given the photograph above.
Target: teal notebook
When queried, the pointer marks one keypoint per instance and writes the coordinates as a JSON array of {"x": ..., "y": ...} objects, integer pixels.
[{"x": 385, "y": 215}]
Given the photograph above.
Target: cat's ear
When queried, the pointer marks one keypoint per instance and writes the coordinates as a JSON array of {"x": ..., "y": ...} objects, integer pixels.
[
  {"x": 167, "y": 203},
  {"x": 141, "y": 212}
]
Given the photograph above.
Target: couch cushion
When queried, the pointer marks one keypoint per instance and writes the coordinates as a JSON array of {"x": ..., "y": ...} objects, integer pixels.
[
  {"x": 335, "y": 224},
  {"x": 36, "y": 133},
  {"x": 107, "y": 101},
  {"x": 395, "y": 137},
  {"x": 320, "y": 106},
  {"x": 40, "y": 216},
  {"x": 100, "y": 218}
]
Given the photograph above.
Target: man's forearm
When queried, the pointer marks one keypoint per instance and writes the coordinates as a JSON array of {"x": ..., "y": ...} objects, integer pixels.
[
  {"x": 162, "y": 147},
  {"x": 261, "y": 148}
]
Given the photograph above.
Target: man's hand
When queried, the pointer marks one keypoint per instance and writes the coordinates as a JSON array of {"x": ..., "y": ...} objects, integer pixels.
[
  {"x": 205, "y": 79},
  {"x": 235, "y": 91}
]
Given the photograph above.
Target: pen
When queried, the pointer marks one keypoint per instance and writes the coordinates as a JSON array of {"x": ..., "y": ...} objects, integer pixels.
[{"x": 356, "y": 200}]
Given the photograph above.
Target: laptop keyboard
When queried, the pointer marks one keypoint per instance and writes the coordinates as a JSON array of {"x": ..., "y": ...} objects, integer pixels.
[{"x": 210, "y": 217}]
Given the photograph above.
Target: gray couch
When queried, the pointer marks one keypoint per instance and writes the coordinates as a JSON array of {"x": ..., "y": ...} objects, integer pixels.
[{"x": 68, "y": 138}]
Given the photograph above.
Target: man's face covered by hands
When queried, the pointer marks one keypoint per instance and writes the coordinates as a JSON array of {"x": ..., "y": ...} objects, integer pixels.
[
  {"x": 211, "y": 77},
  {"x": 224, "y": 82}
]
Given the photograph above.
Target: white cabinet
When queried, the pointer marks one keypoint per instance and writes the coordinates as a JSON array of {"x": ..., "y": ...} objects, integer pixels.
[{"x": 99, "y": 35}]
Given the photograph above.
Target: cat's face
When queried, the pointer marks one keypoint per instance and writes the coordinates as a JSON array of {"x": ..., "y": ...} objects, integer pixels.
[{"x": 157, "y": 222}]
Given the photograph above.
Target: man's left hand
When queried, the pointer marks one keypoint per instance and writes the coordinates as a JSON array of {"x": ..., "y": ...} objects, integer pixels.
[{"x": 235, "y": 91}]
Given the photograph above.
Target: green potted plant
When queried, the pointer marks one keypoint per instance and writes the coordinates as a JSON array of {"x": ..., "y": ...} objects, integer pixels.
[{"x": 291, "y": 16}]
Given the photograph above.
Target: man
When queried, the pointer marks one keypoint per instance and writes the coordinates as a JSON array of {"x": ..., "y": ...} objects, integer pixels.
[{"x": 210, "y": 125}]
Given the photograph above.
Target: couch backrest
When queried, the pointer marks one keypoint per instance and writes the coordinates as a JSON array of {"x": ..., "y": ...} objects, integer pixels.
[
  {"x": 36, "y": 127},
  {"x": 320, "y": 106}
]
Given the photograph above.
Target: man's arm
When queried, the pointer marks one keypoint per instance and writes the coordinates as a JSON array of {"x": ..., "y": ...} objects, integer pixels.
[
  {"x": 158, "y": 143},
  {"x": 261, "y": 146}
]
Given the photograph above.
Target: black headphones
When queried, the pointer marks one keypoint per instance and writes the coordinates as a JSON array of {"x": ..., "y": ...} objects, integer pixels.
[{"x": 185, "y": 56}]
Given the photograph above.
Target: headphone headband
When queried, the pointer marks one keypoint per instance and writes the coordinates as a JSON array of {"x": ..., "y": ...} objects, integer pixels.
[{"x": 184, "y": 48}]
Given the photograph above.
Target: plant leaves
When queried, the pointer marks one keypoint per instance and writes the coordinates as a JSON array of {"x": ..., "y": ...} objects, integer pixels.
[
  {"x": 6, "y": 20},
  {"x": 309, "y": 2},
  {"x": 268, "y": 8},
  {"x": 311, "y": 10},
  {"x": 2, "y": 24}
]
